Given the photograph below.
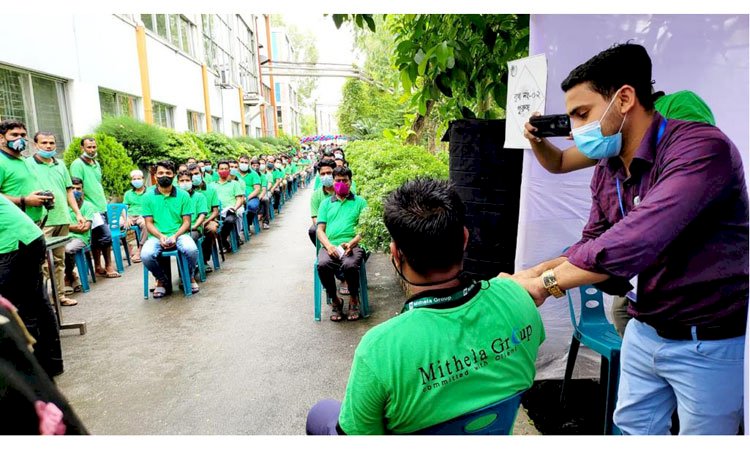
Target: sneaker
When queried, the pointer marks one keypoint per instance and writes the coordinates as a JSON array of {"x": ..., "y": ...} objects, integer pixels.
[
  {"x": 266, "y": 226},
  {"x": 209, "y": 269}
]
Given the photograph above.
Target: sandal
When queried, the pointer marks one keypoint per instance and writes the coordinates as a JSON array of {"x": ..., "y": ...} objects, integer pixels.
[
  {"x": 344, "y": 290},
  {"x": 101, "y": 271},
  {"x": 65, "y": 301},
  {"x": 113, "y": 275},
  {"x": 195, "y": 288},
  {"x": 353, "y": 312},
  {"x": 159, "y": 292},
  {"x": 337, "y": 311}
]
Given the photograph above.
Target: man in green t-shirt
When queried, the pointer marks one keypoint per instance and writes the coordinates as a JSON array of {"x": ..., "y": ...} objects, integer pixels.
[
  {"x": 231, "y": 195},
  {"x": 459, "y": 345},
  {"x": 88, "y": 169},
  {"x": 266, "y": 181},
  {"x": 209, "y": 174},
  {"x": 167, "y": 210},
  {"x": 210, "y": 223},
  {"x": 198, "y": 204},
  {"x": 22, "y": 252},
  {"x": 53, "y": 176},
  {"x": 325, "y": 170},
  {"x": 338, "y": 220},
  {"x": 80, "y": 233},
  {"x": 253, "y": 187},
  {"x": 134, "y": 201},
  {"x": 18, "y": 181}
]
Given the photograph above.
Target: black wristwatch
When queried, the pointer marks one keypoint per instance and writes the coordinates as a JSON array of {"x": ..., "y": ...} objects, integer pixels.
[{"x": 22, "y": 204}]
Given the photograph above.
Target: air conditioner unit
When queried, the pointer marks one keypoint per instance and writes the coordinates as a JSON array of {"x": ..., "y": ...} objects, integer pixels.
[{"x": 224, "y": 80}]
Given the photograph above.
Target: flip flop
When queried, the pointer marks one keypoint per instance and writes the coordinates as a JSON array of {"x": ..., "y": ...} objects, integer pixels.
[
  {"x": 195, "y": 288},
  {"x": 344, "y": 290},
  {"x": 337, "y": 311},
  {"x": 113, "y": 275},
  {"x": 353, "y": 312},
  {"x": 159, "y": 292},
  {"x": 65, "y": 301}
]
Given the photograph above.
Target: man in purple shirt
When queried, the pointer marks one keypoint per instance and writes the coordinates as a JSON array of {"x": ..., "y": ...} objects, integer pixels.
[{"x": 669, "y": 205}]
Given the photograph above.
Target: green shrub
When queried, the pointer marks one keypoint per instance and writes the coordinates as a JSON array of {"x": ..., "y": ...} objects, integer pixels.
[
  {"x": 114, "y": 159},
  {"x": 379, "y": 166},
  {"x": 219, "y": 146},
  {"x": 144, "y": 143},
  {"x": 178, "y": 147}
]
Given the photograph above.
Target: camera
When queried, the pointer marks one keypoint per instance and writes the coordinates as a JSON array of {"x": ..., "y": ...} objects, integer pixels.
[
  {"x": 555, "y": 125},
  {"x": 49, "y": 203}
]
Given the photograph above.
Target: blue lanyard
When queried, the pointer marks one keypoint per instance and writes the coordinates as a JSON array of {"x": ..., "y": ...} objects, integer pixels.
[{"x": 659, "y": 135}]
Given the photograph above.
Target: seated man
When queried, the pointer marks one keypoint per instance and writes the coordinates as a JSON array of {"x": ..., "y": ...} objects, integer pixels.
[
  {"x": 266, "y": 181},
  {"x": 198, "y": 204},
  {"x": 325, "y": 170},
  {"x": 134, "y": 201},
  {"x": 231, "y": 195},
  {"x": 253, "y": 188},
  {"x": 338, "y": 219},
  {"x": 459, "y": 345},
  {"x": 211, "y": 222},
  {"x": 80, "y": 234},
  {"x": 167, "y": 210}
]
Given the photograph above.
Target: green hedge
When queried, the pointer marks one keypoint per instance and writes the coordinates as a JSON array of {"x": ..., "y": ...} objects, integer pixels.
[
  {"x": 379, "y": 166},
  {"x": 114, "y": 159},
  {"x": 145, "y": 144}
]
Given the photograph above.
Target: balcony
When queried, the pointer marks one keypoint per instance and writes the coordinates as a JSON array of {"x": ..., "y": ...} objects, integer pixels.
[{"x": 252, "y": 99}]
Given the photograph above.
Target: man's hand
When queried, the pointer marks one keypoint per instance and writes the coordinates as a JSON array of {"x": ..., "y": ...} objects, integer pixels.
[
  {"x": 34, "y": 199},
  {"x": 81, "y": 220},
  {"x": 534, "y": 287},
  {"x": 331, "y": 249},
  {"x": 348, "y": 247},
  {"x": 528, "y": 128},
  {"x": 167, "y": 241}
]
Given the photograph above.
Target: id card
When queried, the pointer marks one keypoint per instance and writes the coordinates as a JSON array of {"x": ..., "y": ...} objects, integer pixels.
[{"x": 633, "y": 295}]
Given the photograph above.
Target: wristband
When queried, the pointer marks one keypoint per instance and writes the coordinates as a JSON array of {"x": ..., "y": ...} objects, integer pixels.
[{"x": 23, "y": 204}]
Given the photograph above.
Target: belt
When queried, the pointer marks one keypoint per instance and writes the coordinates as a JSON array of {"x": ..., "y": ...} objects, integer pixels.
[{"x": 702, "y": 332}]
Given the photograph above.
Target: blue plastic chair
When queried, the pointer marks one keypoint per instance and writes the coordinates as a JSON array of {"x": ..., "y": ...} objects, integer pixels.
[
  {"x": 495, "y": 419},
  {"x": 256, "y": 224},
  {"x": 114, "y": 211},
  {"x": 85, "y": 265},
  {"x": 596, "y": 332},
  {"x": 201, "y": 263},
  {"x": 137, "y": 230},
  {"x": 245, "y": 226},
  {"x": 182, "y": 268},
  {"x": 318, "y": 290}
]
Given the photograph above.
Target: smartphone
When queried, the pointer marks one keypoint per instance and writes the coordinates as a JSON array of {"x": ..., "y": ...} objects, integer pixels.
[{"x": 551, "y": 126}]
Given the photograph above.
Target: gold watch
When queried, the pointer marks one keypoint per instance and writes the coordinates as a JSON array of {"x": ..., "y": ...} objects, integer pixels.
[{"x": 550, "y": 283}]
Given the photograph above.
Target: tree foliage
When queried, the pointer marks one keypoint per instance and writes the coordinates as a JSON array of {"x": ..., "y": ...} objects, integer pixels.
[
  {"x": 114, "y": 159},
  {"x": 366, "y": 110},
  {"x": 144, "y": 143},
  {"x": 305, "y": 50}
]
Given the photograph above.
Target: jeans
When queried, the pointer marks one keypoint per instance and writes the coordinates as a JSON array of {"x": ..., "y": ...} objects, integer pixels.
[
  {"x": 21, "y": 282},
  {"x": 152, "y": 250},
  {"x": 323, "y": 417},
  {"x": 702, "y": 378}
]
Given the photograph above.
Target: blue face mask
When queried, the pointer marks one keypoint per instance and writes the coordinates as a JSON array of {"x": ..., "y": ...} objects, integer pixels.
[
  {"x": 78, "y": 195},
  {"x": 326, "y": 180},
  {"x": 17, "y": 145},
  {"x": 593, "y": 144},
  {"x": 235, "y": 172},
  {"x": 197, "y": 180},
  {"x": 137, "y": 183},
  {"x": 46, "y": 154}
]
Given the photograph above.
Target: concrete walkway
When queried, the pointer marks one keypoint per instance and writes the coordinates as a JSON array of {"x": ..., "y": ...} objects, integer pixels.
[{"x": 243, "y": 356}]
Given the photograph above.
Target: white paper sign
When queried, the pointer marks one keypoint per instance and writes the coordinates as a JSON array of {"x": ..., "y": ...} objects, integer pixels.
[{"x": 527, "y": 90}]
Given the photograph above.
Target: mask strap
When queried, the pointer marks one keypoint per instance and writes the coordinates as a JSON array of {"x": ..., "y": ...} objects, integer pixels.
[
  {"x": 610, "y": 104},
  {"x": 432, "y": 283}
]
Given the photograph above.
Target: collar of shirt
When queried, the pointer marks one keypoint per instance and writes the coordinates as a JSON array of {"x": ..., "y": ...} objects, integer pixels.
[
  {"x": 38, "y": 160},
  {"x": 171, "y": 194},
  {"x": 335, "y": 198},
  {"x": 9, "y": 156},
  {"x": 644, "y": 153}
]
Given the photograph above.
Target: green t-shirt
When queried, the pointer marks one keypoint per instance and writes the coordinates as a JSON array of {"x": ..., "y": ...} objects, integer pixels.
[
  {"x": 198, "y": 206},
  {"x": 268, "y": 179},
  {"x": 288, "y": 170},
  {"x": 685, "y": 105},
  {"x": 317, "y": 197},
  {"x": 134, "y": 200},
  {"x": 167, "y": 210},
  {"x": 251, "y": 179},
  {"x": 92, "y": 182},
  {"x": 341, "y": 217},
  {"x": 19, "y": 179},
  {"x": 241, "y": 182},
  {"x": 87, "y": 211},
  {"x": 212, "y": 177},
  {"x": 278, "y": 173},
  {"x": 15, "y": 227},
  {"x": 317, "y": 184},
  {"x": 212, "y": 198},
  {"x": 429, "y": 365},
  {"x": 228, "y": 192},
  {"x": 56, "y": 178}
]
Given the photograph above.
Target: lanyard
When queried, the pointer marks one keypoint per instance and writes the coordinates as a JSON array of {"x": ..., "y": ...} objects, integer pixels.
[
  {"x": 659, "y": 135},
  {"x": 431, "y": 301}
]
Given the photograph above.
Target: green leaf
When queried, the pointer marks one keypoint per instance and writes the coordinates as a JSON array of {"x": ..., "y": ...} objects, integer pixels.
[
  {"x": 467, "y": 113},
  {"x": 419, "y": 57},
  {"x": 338, "y": 19},
  {"x": 500, "y": 93},
  {"x": 358, "y": 20},
  {"x": 405, "y": 81},
  {"x": 477, "y": 20},
  {"x": 423, "y": 65},
  {"x": 443, "y": 84},
  {"x": 413, "y": 73},
  {"x": 451, "y": 62},
  {"x": 370, "y": 22},
  {"x": 404, "y": 46},
  {"x": 489, "y": 38}
]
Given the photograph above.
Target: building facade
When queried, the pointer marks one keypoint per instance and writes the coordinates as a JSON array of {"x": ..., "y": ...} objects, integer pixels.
[
  {"x": 287, "y": 101},
  {"x": 201, "y": 72}
]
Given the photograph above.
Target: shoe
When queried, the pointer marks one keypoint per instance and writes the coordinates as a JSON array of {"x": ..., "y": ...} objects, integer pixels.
[
  {"x": 68, "y": 290},
  {"x": 195, "y": 288},
  {"x": 65, "y": 301},
  {"x": 209, "y": 269},
  {"x": 266, "y": 226}
]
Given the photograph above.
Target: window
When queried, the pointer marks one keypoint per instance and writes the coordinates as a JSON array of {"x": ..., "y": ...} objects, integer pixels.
[
  {"x": 279, "y": 117},
  {"x": 235, "y": 129},
  {"x": 216, "y": 124},
  {"x": 195, "y": 121},
  {"x": 37, "y": 101},
  {"x": 174, "y": 28},
  {"x": 258, "y": 132},
  {"x": 248, "y": 62},
  {"x": 116, "y": 104},
  {"x": 163, "y": 114},
  {"x": 217, "y": 46}
]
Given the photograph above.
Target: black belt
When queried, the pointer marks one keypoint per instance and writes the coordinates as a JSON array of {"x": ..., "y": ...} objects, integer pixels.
[{"x": 702, "y": 332}]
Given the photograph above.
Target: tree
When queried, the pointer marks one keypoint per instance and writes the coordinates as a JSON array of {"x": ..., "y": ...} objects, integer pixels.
[
  {"x": 366, "y": 110},
  {"x": 305, "y": 50},
  {"x": 308, "y": 126}
]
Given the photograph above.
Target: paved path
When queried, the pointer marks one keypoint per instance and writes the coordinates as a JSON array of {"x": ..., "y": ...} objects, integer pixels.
[{"x": 243, "y": 356}]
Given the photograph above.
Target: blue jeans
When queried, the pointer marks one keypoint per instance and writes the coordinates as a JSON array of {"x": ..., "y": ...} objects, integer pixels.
[
  {"x": 152, "y": 249},
  {"x": 703, "y": 379}
]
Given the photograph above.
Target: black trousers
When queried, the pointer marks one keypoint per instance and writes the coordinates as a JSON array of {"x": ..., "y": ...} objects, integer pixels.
[
  {"x": 349, "y": 264},
  {"x": 230, "y": 222},
  {"x": 276, "y": 198},
  {"x": 265, "y": 205},
  {"x": 21, "y": 282}
]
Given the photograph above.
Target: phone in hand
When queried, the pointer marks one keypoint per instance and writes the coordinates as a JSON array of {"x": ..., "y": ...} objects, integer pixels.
[{"x": 554, "y": 125}]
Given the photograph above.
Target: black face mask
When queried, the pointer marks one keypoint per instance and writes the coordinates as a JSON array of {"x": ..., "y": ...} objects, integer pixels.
[
  {"x": 432, "y": 283},
  {"x": 164, "y": 181}
]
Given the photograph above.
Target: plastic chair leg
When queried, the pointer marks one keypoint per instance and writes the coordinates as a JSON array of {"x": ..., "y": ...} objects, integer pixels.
[
  {"x": 145, "y": 282},
  {"x": 256, "y": 224},
  {"x": 572, "y": 355},
  {"x": 215, "y": 255},
  {"x": 245, "y": 227},
  {"x": 201, "y": 262},
  {"x": 117, "y": 251},
  {"x": 233, "y": 240},
  {"x": 610, "y": 374},
  {"x": 90, "y": 264},
  {"x": 185, "y": 275},
  {"x": 83, "y": 274},
  {"x": 363, "y": 296},
  {"x": 124, "y": 241},
  {"x": 316, "y": 290}
]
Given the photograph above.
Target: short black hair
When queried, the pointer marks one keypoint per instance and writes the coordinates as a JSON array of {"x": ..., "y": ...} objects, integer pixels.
[
  {"x": 342, "y": 172},
  {"x": 43, "y": 133},
  {"x": 8, "y": 124},
  {"x": 167, "y": 164},
  {"x": 613, "y": 68},
  {"x": 222, "y": 161},
  {"x": 426, "y": 218},
  {"x": 83, "y": 140},
  {"x": 76, "y": 180},
  {"x": 184, "y": 173},
  {"x": 193, "y": 166},
  {"x": 330, "y": 164}
]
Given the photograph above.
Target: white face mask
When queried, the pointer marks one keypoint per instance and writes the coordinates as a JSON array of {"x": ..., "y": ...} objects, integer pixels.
[{"x": 186, "y": 185}]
